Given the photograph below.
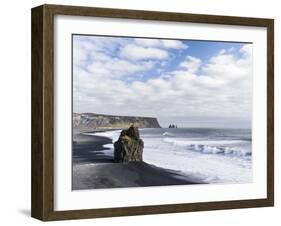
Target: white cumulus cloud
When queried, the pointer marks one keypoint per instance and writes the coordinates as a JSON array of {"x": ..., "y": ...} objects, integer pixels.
[
  {"x": 192, "y": 64},
  {"x": 161, "y": 43},
  {"x": 135, "y": 52},
  {"x": 213, "y": 89}
]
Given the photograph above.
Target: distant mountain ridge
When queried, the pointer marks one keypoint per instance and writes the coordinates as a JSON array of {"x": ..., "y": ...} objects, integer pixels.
[{"x": 93, "y": 121}]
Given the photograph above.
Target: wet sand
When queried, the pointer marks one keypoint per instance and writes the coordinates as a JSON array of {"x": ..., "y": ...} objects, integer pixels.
[{"x": 92, "y": 168}]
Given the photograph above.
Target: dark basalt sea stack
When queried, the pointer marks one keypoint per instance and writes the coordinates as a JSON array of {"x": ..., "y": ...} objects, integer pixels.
[{"x": 129, "y": 147}]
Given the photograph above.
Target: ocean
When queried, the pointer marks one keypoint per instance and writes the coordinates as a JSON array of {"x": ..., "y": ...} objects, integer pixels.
[{"x": 219, "y": 156}]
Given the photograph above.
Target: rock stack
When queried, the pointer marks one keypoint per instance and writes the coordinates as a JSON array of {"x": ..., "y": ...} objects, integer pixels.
[{"x": 129, "y": 147}]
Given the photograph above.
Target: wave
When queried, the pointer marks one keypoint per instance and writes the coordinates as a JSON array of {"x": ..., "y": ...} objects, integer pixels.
[
  {"x": 113, "y": 135},
  {"x": 211, "y": 147},
  {"x": 168, "y": 134},
  {"x": 213, "y": 161}
]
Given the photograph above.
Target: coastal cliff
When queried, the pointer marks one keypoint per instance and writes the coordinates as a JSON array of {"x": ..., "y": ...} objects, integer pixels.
[{"x": 92, "y": 121}]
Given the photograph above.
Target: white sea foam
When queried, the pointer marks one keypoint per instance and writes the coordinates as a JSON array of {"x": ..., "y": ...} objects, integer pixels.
[
  {"x": 211, "y": 146},
  {"x": 114, "y": 134},
  {"x": 168, "y": 134},
  {"x": 185, "y": 142},
  {"x": 214, "y": 161},
  {"x": 110, "y": 146},
  {"x": 215, "y": 168}
]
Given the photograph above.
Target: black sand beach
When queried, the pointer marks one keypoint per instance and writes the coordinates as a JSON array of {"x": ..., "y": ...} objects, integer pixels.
[
  {"x": 93, "y": 169},
  {"x": 87, "y": 149}
]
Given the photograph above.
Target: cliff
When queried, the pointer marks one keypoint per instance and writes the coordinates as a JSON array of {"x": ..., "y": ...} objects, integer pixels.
[{"x": 92, "y": 121}]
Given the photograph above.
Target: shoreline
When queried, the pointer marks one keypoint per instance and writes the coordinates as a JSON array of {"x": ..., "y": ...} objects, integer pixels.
[
  {"x": 93, "y": 169},
  {"x": 123, "y": 175},
  {"x": 89, "y": 149}
]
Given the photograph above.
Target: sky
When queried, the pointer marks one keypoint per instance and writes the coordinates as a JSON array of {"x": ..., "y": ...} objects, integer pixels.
[{"x": 190, "y": 83}]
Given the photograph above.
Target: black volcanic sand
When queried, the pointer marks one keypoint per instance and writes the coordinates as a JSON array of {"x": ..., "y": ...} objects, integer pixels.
[
  {"x": 93, "y": 169},
  {"x": 89, "y": 149}
]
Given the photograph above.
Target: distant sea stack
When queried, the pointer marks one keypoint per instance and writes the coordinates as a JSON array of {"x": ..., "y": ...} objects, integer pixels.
[{"x": 92, "y": 121}]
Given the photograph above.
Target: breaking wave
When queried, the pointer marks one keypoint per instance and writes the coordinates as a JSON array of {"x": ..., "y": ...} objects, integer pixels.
[{"x": 211, "y": 147}]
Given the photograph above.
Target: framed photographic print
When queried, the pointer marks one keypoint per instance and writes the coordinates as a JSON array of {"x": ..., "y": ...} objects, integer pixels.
[{"x": 141, "y": 112}]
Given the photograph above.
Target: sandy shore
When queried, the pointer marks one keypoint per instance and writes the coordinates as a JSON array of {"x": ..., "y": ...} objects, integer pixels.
[
  {"x": 92, "y": 168},
  {"x": 117, "y": 175},
  {"x": 89, "y": 149}
]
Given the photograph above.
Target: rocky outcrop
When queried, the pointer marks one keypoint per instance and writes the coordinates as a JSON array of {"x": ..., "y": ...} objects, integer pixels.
[
  {"x": 92, "y": 121},
  {"x": 129, "y": 146}
]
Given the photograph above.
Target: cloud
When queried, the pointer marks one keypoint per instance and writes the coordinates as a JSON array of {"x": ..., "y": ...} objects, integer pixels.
[
  {"x": 216, "y": 88},
  {"x": 174, "y": 44},
  {"x": 116, "y": 68},
  {"x": 247, "y": 51},
  {"x": 135, "y": 52},
  {"x": 169, "y": 44},
  {"x": 95, "y": 55},
  {"x": 192, "y": 64}
]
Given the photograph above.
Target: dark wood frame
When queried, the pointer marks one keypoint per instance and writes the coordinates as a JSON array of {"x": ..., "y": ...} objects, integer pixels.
[{"x": 42, "y": 203}]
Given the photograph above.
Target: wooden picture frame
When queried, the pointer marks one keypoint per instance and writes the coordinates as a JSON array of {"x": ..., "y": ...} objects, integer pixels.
[{"x": 42, "y": 203}]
